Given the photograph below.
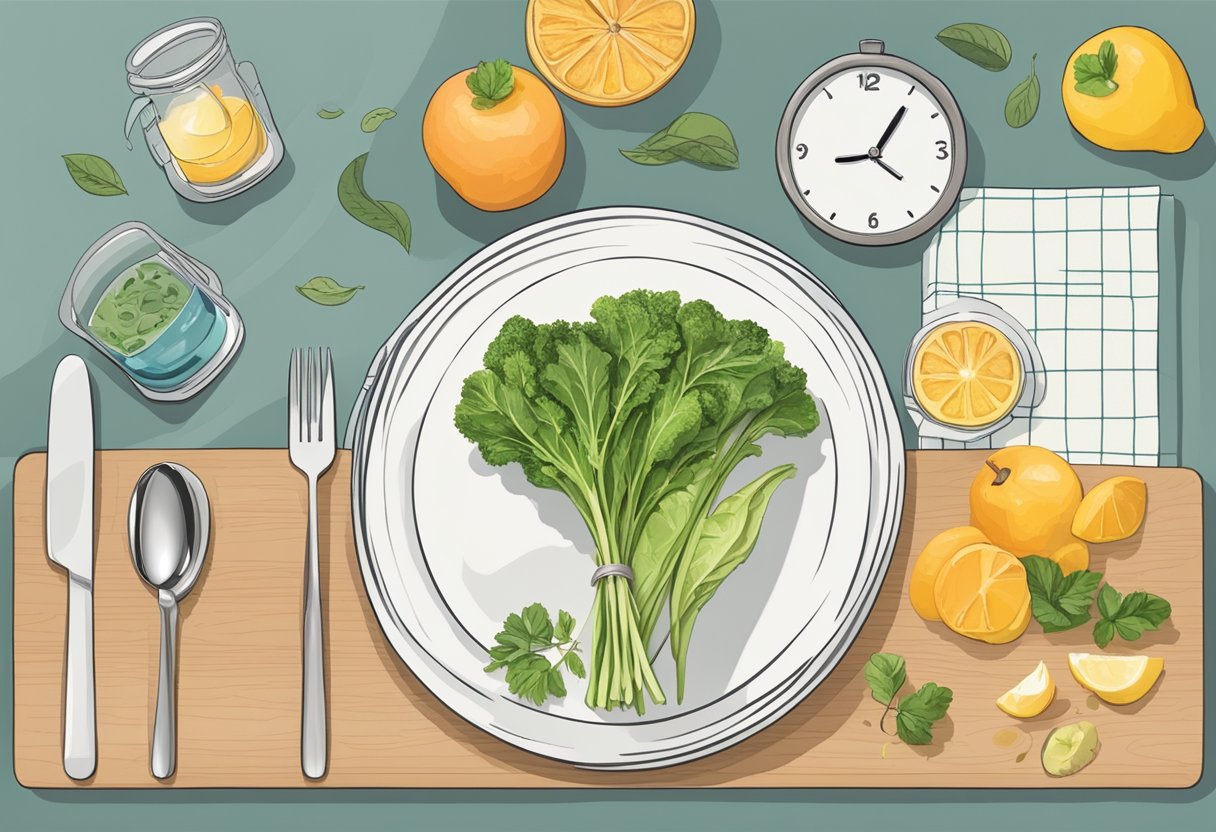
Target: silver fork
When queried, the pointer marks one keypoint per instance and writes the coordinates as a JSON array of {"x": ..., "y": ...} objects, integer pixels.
[{"x": 311, "y": 442}]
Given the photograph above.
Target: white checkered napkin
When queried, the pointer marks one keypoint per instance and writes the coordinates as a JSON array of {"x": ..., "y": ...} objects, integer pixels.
[{"x": 1078, "y": 268}]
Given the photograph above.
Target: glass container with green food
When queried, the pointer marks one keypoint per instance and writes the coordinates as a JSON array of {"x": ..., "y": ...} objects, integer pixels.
[{"x": 153, "y": 310}]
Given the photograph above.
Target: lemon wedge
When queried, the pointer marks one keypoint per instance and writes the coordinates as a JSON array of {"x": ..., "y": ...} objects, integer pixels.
[
  {"x": 1112, "y": 510},
  {"x": 1031, "y": 696},
  {"x": 1119, "y": 680}
]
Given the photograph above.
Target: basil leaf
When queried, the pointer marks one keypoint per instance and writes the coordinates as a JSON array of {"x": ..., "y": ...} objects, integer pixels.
[
  {"x": 374, "y": 118},
  {"x": 386, "y": 217},
  {"x": 94, "y": 174},
  {"x": 980, "y": 44},
  {"x": 328, "y": 114},
  {"x": 885, "y": 674},
  {"x": 699, "y": 138},
  {"x": 1023, "y": 101},
  {"x": 327, "y": 291},
  {"x": 913, "y": 729}
]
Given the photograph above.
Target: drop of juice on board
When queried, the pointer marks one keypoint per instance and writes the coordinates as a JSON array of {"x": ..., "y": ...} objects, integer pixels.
[
  {"x": 1091, "y": 702},
  {"x": 1020, "y": 757},
  {"x": 866, "y": 723},
  {"x": 1006, "y": 737}
]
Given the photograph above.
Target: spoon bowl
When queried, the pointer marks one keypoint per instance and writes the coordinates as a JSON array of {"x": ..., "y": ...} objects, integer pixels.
[{"x": 168, "y": 528}]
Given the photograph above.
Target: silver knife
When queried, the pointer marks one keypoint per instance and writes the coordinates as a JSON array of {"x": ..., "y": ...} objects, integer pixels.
[{"x": 69, "y": 543}]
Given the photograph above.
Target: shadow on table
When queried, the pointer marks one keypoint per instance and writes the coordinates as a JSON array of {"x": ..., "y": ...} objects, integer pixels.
[{"x": 1189, "y": 164}]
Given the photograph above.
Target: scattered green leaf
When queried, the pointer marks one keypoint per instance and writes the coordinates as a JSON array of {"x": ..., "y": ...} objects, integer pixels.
[
  {"x": 1023, "y": 101},
  {"x": 386, "y": 217},
  {"x": 980, "y": 44},
  {"x": 918, "y": 712},
  {"x": 518, "y": 648},
  {"x": 94, "y": 174},
  {"x": 699, "y": 138},
  {"x": 1059, "y": 602},
  {"x": 327, "y": 291},
  {"x": 374, "y": 118},
  {"x": 1095, "y": 74},
  {"x": 886, "y": 674},
  {"x": 328, "y": 114},
  {"x": 1128, "y": 616},
  {"x": 915, "y": 713},
  {"x": 491, "y": 82}
]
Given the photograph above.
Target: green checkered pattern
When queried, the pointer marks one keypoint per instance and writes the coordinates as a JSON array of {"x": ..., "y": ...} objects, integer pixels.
[{"x": 1080, "y": 269}]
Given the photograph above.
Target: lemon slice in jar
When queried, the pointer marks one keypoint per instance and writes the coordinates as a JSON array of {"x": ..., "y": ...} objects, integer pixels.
[{"x": 966, "y": 374}]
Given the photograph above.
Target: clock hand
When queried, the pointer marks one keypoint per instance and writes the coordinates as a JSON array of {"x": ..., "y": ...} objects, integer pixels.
[
  {"x": 859, "y": 158},
  {"x": 888, "y": 168},
  {"x": 886, "y": 134}
]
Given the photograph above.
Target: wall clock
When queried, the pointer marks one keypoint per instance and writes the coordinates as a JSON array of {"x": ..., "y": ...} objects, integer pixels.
[{"x": 872, "y": 148}]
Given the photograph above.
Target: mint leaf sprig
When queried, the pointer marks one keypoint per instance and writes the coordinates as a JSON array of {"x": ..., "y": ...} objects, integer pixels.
[
  {"x": 518, "y": 648},
  {"x": 1059, "y": 602},
  {"x": 915, "y": 713},
  {"x": 1095, "y": 74},
  {"x": 1062, "y": 602},
  {"x": 1131, "y": 616}
]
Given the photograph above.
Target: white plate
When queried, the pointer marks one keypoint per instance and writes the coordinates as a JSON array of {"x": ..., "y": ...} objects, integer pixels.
[{"x": 449, "y": 546}]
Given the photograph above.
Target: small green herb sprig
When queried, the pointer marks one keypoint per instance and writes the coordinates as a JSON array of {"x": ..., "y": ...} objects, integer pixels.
[
  {"x": 1095, "y": 74},
  {"x": 524, "y": 637},
  {"x": 1062, "y": 602},
  {"x": 915, "y": 713},
  {"x": 491, "y": 83}
]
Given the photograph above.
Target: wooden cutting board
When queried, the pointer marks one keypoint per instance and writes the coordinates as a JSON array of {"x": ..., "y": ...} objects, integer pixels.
[{"x": 239, "y": 653}]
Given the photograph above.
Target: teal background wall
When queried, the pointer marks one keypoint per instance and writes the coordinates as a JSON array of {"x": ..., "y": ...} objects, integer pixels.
[{"x": 65, "y": 91}]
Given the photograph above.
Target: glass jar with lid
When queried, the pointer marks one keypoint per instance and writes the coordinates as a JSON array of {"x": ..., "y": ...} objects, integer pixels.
[
  {"x": 153, "y": 310},
  {"x": 205, "y": 118}
]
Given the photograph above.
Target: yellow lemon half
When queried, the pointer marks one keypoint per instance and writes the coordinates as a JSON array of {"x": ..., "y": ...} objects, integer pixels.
[
  {"x": 1151, "y": 106},
  {"x": 1112, "y": 510},
  {"x": 981, "y": 593},
  {"x": 933, "y": 557},
  {"x": 608, "y": 53},
  {"x": 1031, "y": 696},
  {"x": 1119, "y": 680}
]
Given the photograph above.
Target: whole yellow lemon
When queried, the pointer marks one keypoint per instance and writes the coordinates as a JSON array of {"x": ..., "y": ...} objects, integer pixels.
[
  {"x": 1126, "y": 89},
  {"x": 1029, "y": 509}
]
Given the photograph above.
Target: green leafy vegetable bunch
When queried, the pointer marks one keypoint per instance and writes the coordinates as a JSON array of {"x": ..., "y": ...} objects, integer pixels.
[{"x": 638, "y": 417}]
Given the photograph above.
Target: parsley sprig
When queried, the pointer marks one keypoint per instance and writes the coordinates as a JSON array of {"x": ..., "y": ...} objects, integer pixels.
[
  {"x": 519, "y": 647},
  {"x": 915, "y": 713},
  {"x": 1062, "y": 602}
]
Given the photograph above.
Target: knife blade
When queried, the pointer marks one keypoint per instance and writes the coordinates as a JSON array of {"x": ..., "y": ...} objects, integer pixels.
[{"x": 69, "y": 543}]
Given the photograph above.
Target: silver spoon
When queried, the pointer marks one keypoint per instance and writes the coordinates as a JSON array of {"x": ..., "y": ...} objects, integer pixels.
[{"x": 168, "y": 526}]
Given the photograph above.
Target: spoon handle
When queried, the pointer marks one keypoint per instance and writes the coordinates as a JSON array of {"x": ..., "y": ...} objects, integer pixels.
[{"x": 164, "y": 733}]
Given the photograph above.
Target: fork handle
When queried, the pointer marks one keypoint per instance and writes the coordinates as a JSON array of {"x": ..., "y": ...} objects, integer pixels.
[{"x": 313, "y": 747}]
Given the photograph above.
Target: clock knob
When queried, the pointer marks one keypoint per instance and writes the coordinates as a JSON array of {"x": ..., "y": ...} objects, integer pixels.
[{"x": 872, "y": 46}]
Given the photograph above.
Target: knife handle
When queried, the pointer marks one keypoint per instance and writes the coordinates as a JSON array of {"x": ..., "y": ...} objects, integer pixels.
[{"x": 79, "y": 714}]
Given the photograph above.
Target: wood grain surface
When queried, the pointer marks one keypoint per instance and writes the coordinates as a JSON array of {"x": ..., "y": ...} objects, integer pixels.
[{"x": 239, "y": 654}]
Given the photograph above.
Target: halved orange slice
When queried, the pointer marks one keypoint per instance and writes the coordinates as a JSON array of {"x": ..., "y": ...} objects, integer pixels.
[
  {"x": 608, "y": 53},
  {"x": 967, "y": 374},
  {"x": 981, "y": 593}
]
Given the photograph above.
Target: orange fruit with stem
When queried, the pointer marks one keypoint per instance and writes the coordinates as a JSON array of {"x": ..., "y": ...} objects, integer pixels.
[
  {"x": 1024, "y": 499},
  {"x": 495, "y": 133}
]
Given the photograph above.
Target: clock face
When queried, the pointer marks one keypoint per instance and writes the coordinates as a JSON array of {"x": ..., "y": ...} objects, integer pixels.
[{"x": 871, "y": 150}]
